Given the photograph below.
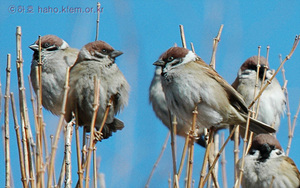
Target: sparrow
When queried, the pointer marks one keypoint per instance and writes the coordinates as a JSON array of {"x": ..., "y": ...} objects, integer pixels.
[
  {"x": 56, "y": 56},
  {"x": 272, "y": 101},
  {"x": 159, "y": 104},
  {"x": 188, "y": 82},
  {"x": 97, "y": 59},
  {"x": 267, "y": 166}
]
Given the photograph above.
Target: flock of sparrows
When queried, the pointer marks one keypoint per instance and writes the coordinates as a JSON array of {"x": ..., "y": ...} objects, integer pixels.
[{"x": 182, "y": 81}]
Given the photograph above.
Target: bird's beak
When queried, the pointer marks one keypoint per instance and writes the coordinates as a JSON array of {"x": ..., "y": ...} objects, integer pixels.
[
  {"x": 115, "y": 53},
  {"x": 159, "y": 63},
  {"x": 34, "y": 47}
]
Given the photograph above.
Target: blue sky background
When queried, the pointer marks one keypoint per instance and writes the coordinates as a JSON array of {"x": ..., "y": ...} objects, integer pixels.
[{"x": 143, "y": 30}]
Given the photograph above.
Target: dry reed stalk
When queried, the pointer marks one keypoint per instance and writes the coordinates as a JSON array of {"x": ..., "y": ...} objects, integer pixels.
[
  {"x": 98, "y": 19},
  {"x": 296, "y": 41},
  {"x": 91, "y": 143},
  {"x": 173, "y": 129},
  {"x": 183, "y": 156},
  {"x": 192, "y": 47},
  {"x": 293, "y": 129},
  {"x": 68, "y": 142},
  {"x": 202, "y": 173},
  {"x": 6, "y": 124},
  {"x": 215, "y": 46},
  {"x": 158, "y": 159},
  {"x": 39, "y": 130},
  {"x": 58, "y": 130},
  {"x": 219, "y": 154},
  {"x": 80, "y": 172},
  {"x": 182, "y": 36},
  {"x": 95, "y": 172},
  {"x": 223, "y": 163},
  {"x": 19, "y": 143},
  {"x": 61, "y": 174},
  {"x": 26, "y": 129},
  {"x": 288, "y": 111},
  {"x": 191, "y": 136},
  {"x": 238, "y": 181},
  {"x": 236, "y": 150}
]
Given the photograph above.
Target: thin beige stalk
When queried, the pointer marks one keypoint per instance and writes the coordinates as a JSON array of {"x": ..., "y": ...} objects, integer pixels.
[
  {"x": 173, "y": 129},
  {"x": 192, "y": 136},
  {"x": 293, "y": 129},
  {"x": 183, "y": 156},
  {"x": 288, "y": 111},
  {"x": 61, "y": 174},
  {"x": 26, "y": 129},
  {"x": 215, "y": 46},
  {"x": 95, "y": 172},
  {"x": 68, "y": 162},
  {"x": 182, "y": 36},
  {"x": 21, "y": 158},
  {"x": 296, "y": 41},
  {"x": 98, "y": 19},
  {"x": 91, "y": 143},
  {"x": 6, "y": 124},
  {"x": 192, "y": 47},
  {"x": 219, "y": 154},
  {"x": 236, "y": 151},
  {"x": 158, "y": 159},
  {"x": 223, "y": 163},
  {"x": 80, "y": 172},
  {"x": 238, "y": 181},
  {"x": 58, "y": 130},
  {"x": 202, "y": 173}
]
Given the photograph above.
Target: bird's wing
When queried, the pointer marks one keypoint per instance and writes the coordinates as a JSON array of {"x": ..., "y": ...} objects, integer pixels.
[{"x": 234, "y": 97}]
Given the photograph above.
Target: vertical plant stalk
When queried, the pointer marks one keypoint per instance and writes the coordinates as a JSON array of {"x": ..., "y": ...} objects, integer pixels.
[
  {"x": 39, "y": 130},
  {"x": 288, "y": 113},
  {"x": 219, "y": 154},
  {"x": 183, "y": 156},
  {"x": 68, "y": 162},
  {"x": 202, "y": 173},
  {"x": 91, "y": 143},
  {"x": 223, "y": 163},
  {"x": 26, "y": 129},
  {"x": 192, "y": 136},
  {"x": 158, "y": 159},
  {"x": 98, "y": 19},
  {"x": 192, "y": 47},
  {"x": 293, "y": 129},
  {"x": 182, "y": 36},
  {"x": 58, "y": 130},
  {"x": 173, "y": 130},
  {"x": 215, "y": 46},
  {"x": 20, "y": 149},
  {"x": 80, "y": 172},
  {"x": 95, "y": 172},
  {"x": 6, "y": 124},
  {"x": 236, "y": 151}
]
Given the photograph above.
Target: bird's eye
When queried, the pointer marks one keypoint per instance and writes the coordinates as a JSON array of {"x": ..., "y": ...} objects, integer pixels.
[
  {"x": 170, "y": 58},
  {"x": 46, "y": 45},
  {"x": 104, "y": 51},
  {"x": 278, "y": 152}
]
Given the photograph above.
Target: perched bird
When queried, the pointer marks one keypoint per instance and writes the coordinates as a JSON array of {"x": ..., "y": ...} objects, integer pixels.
[
  {"x": 159, "y": 105},
  {"x": 56, "y": 57},
  {"x": 188, "y": 82},
  {"x": 267, "y": 166},
  {"x": 272, "y": 101},
  {"x": 97, "y": 59}
]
